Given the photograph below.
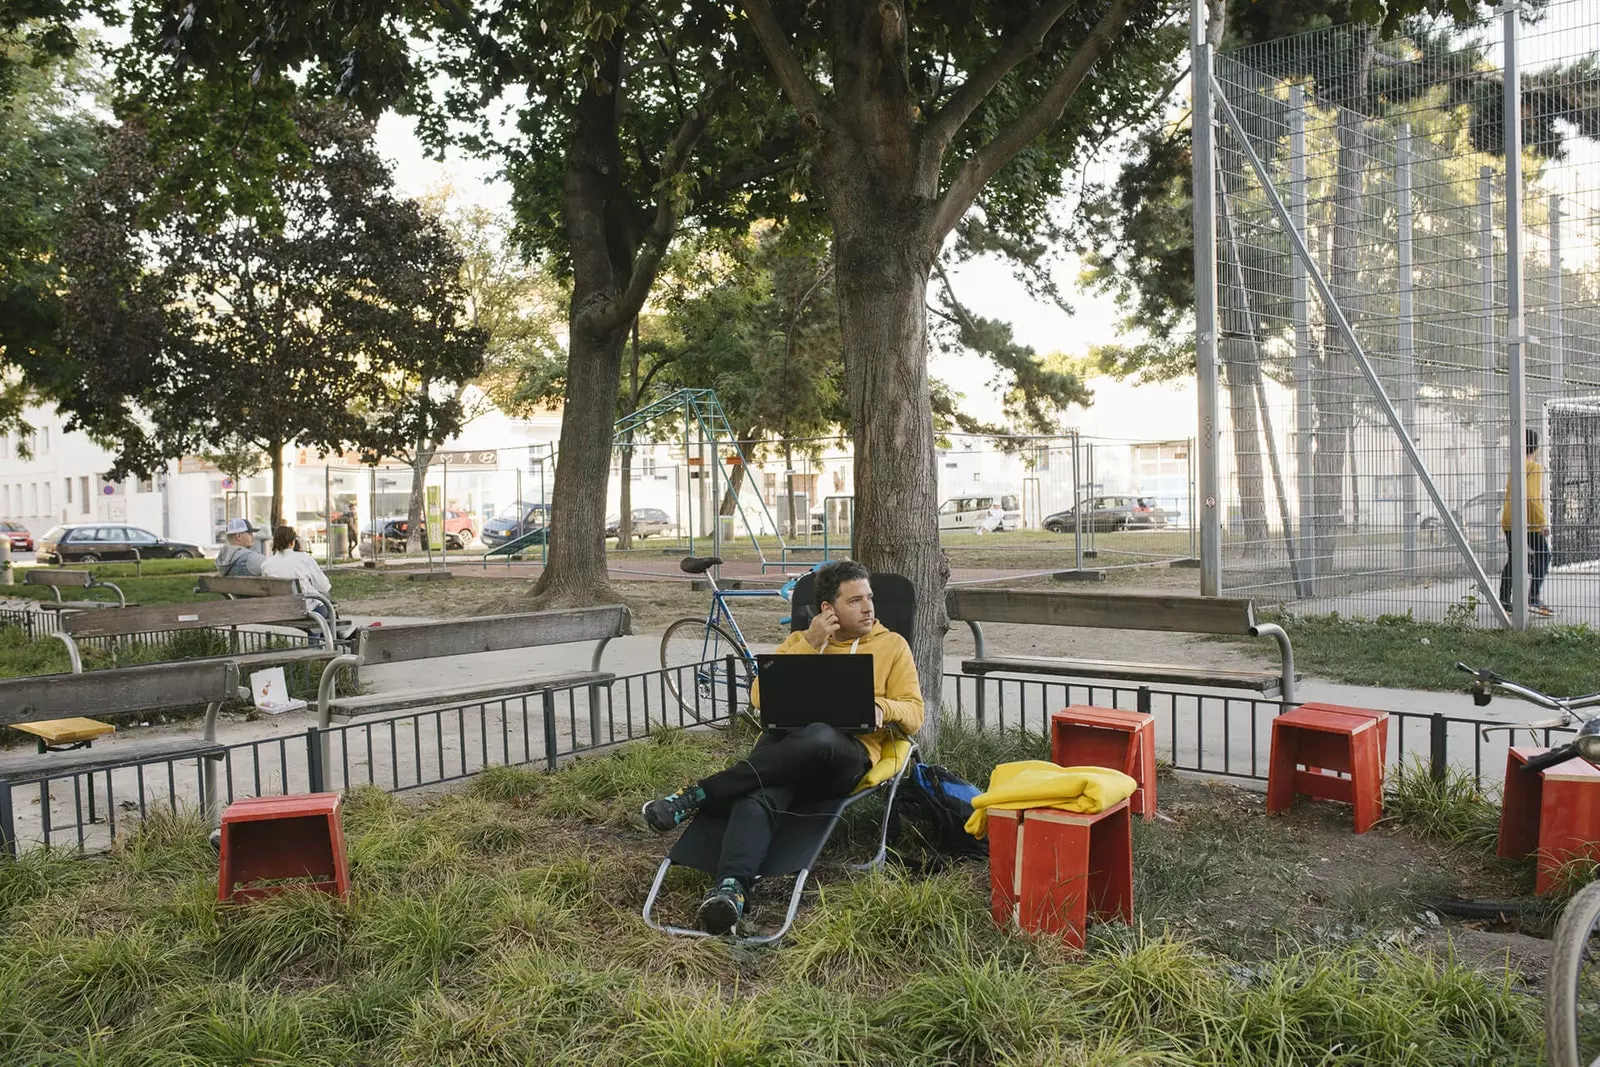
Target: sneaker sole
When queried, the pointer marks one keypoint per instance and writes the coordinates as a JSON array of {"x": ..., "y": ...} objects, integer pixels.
[{"x": 718, "y": 916}]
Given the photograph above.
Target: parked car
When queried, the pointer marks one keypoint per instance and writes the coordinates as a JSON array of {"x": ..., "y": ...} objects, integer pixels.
[
  {"x": 971, "y": 512},
  {"x": 1478, "y": 516},
  {"x": 93, "y": 542},
  {"x": 397, "y": 530},
  {"x": 1111, "y": 513},
  {"x": 646, "y": 521},
  {"x": 21, "y": 539},
  {"x": 520, "y": 518}
]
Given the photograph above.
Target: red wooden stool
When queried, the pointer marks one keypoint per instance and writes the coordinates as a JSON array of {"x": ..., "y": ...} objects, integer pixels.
[
  {"x": 282, "y": 837},
  {"x": 1555, "y": 813},
  {"x": 1329, "y": 753},
  {"x": 1083, "y": 736},
  {"x": 1051, "y": 870}
]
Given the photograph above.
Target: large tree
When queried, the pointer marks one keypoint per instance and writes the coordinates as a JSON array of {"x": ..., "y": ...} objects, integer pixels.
[
  {"x": 186, "y": 330},
  {"x": 614, "y": 121}
]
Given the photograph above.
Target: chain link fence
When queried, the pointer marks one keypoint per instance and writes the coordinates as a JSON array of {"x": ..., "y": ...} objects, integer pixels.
[{"x": 1368, "y": 284}]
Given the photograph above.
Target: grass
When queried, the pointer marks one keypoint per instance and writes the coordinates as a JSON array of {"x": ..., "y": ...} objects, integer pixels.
[
  {"x": 1399, "y": 651},
  {"x": 1452, "y": 809},
  {"x": 492, "y": 926}
]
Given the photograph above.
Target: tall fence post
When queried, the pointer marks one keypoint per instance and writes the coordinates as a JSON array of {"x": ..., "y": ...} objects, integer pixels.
[
  {"x": 1205, "y": 300},
  {"x": 8, "y": 828},
  {"x": 315, "y": 771},
  {"x": 1407, "y": 345},
  {"x": 1304, "y": 361},
  {"x": 733, "y": 687},
  {"x": 1557, "y": 329},
  {"x": 1438, "y": 755},
  {"x": 1077, "y": 511},
  {"x": 548, "y": 700},
  {"x": 1516, "y": 325},
  {"x": 1486, "y": 316}
]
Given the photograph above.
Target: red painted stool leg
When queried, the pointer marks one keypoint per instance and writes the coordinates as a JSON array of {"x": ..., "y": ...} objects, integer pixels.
[
  {"x": 1366, "y": 778},
  {"x": 1281, "y": 766},
  {"x": 1004, "y": 829},
  {"x": 1111, "y": 866},
  {"x": 1054, "y": 897}
]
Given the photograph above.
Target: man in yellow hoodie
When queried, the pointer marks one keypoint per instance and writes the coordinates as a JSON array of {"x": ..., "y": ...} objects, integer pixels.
[
  {"x": 1538, "y": 531},
  {"x": 816, "y": 763}
]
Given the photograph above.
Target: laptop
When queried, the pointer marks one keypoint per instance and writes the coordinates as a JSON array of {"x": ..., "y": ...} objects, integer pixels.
[{"x": 798, "y": 690}]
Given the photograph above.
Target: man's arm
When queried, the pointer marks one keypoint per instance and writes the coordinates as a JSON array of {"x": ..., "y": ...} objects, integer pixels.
[
  {"x": 901, "y": 700},
  {"x": 253, "y": 562},
  {"x": 1538, "y": 515}
]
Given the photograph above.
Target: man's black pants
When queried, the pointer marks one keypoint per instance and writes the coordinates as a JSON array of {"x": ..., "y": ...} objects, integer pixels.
[
  {"x": 1538, "y": 567},
  {"x": 783, "y": 769}
]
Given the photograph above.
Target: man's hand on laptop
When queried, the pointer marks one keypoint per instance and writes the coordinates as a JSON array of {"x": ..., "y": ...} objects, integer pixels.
[{"x": 823, "y": 626}]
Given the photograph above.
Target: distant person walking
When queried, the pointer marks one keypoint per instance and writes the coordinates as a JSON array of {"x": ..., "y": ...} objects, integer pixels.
[{"x": 1538, "y": 531}]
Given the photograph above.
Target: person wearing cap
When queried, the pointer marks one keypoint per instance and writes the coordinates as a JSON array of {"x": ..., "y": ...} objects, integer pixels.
[
  {"x": 238, "y": 558},
  {"x": 1538, "y": 530}
]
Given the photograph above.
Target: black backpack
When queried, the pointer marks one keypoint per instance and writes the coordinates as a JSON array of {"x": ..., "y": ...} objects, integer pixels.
[{"x": 938, "y": 803}]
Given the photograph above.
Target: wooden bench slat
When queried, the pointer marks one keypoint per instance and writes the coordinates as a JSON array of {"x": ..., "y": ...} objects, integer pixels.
[
  {"x": 61, "y": 579},
  {"x": 1104, "y": 611},
  {"x": 51, "y": 764},
  {"x": 494, "y": 633},
  {"x": 123, "y": 691},
  {"x": 285, "y": 655},
  {"x": 207, "y": 615},
  {"x": 245, "y": 586},
  {"x": 1262, "y": 681},
  {"x": 417, "y": 698}
]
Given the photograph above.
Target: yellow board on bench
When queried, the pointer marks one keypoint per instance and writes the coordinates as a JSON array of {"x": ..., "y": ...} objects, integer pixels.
[{"x": 66, "y": 731}]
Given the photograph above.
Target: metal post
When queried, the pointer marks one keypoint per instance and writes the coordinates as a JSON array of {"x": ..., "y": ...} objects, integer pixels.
[
  {"x": 327, "y": 513},
  {"x": 1438, "y": 747},
  {"x": 315, "y": 771},
  {"x": 1557, "y": 297},
  {"x": 372, "y": 516},
  {"x": 444, "y": 511},
  {"x": 1486, "y": 315},
  {"x": 1077, "y": 508},
  {"x": 547, "y": 702},
  {"x": 1205, "y": 299},
  {"x": 1408, "y": 350},
  {"x": 1304, "y": 427},
  {"x": 1189, "y": 460},
  {"x": 1516, "y": 326}
]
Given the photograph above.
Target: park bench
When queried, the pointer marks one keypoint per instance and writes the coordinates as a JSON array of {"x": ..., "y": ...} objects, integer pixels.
[
  {"x": 407, "y": 642},
  {"x": 287, "y": 611},
  {"x": 58, "y": 580},
  {"x": 250, "y": 588},
  {"x": 110, "y": 694},
  {"x": 1120, "y": 611}
]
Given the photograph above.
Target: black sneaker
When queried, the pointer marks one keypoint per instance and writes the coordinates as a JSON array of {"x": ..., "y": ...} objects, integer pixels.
[
  {"x": 722, "y": 908},
  {"x": 670, "y": 812}
]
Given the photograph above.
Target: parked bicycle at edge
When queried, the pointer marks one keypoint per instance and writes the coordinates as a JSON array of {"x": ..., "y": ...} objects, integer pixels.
[{"x": 1572, "y": 991}]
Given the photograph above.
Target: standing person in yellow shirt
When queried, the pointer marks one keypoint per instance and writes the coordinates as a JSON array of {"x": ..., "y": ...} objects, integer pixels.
[
  {"x": 816, "y": 763},
  {"x": 1538, "y": 531}
]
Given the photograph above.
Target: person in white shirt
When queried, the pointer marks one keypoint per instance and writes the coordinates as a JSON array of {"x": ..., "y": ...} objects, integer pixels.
[{"x": 287, "y": 561}]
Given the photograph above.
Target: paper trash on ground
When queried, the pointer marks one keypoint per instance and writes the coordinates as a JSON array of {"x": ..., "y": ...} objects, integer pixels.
[{"x": 271, "y": 692}]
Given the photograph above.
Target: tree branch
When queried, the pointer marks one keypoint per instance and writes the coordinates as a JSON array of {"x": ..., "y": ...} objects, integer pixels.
[
  {"x": 944, "y": 125},
  {"x": 797, "y": 86},
  {"x": 653, "y": 245},
  {"x": 986, "y": 161}
]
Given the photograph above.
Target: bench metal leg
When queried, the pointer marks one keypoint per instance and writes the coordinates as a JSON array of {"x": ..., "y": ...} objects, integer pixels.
[{"x": 8, "y": 830}]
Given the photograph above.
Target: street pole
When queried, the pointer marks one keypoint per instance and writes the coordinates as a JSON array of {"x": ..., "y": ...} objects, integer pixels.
[
  {"x": 1516, "y": 326},
  {"x": 1408, "y": 353},
  {"x": 1205, "y": 301}
]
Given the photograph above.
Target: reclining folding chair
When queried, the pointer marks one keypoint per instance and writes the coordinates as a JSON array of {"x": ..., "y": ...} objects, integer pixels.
[{"x": 801, "y": 834}]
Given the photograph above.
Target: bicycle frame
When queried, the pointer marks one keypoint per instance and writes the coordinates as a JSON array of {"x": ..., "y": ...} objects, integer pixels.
[
  {"x": 721, "y": 614},
  {"x": 1571, "y": 709}
]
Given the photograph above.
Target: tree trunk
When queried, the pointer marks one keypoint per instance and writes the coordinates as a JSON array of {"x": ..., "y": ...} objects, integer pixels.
[
  {"x": 884, "y": 259},
  {"x": 576, "y": 572},
  {"x": 1335, "y": 412},
  {"x": 745, "y": 444},
  {"x": 275, "y": 451},
  {"x": 416, "y": 515}
]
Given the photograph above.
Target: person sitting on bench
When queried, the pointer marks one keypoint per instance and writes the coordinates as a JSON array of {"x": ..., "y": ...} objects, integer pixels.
[{"x": 816, "y": 763}]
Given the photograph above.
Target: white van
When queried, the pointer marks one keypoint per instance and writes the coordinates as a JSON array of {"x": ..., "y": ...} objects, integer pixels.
[{"x": 972, "y": 512}]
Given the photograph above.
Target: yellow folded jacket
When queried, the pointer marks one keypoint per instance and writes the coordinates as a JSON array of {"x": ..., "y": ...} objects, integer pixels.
[{"x": 1041, "y": 784}]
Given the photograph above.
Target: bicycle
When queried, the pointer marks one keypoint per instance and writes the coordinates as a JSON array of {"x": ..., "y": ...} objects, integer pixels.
[
  {"x": 712, "y": 645},
  {"x": 1572, "y": 991}
]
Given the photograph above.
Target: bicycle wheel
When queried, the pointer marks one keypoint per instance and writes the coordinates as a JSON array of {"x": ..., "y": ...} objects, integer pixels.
[
  {"x": 693, "y": 655},
  {"x": 1572, "y": 992}
]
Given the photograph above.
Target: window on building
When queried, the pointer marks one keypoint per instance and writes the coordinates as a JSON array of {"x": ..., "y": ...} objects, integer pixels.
[
  {"x": 5, "y": 498},
  {"x": 66, "y": 484},
  {"x": 33, "y": 498},
  {"x": 49, "y": 507},
  {"x": 44, "y": 440},
  {"x": 83, "y": 494},
  {"x": 5, "y": 446},
  {"x": 147, "y": 485}
]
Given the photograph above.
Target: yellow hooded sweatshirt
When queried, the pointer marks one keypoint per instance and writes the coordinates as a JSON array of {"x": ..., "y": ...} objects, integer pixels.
[
  {"x": 894, "y": 679},
  {"x": 1041, "y": 784}
]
